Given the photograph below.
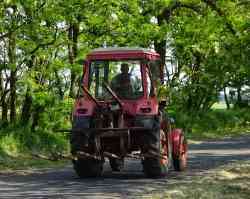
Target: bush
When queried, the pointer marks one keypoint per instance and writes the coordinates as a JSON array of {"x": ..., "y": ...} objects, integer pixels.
[
  {"x": 217, "y": 122},
  {"x": 17, "y": 140},
  {"x": 43, "y": 138}
]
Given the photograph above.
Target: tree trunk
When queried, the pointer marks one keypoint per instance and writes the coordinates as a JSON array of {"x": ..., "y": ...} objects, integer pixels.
[
  {"x": 239, "y": 97},
  {"x": 4, "y": 105},
  {"x": 36, "y": 116},
  {"x": 27, "y": 103},
  {"x": 226, "y": 98},
  {"x": 26, "y": 109},
  {"x": 72, "y": 52},
  {"x": 13, "y": 96},
  {"x": 12, "y": 63},
  {"x": 1, "y": 84},
  {"x": 4, "y": 110},
  {"x": 59, "y": 85},
  {"x": 160, "y": 48}
]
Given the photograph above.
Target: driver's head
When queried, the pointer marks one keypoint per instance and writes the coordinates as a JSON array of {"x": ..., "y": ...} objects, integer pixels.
[{"x": 124, "y": 68}]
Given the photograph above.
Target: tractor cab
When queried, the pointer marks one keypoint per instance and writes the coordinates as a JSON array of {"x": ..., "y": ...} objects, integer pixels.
[{"x": 121, "y": 76}]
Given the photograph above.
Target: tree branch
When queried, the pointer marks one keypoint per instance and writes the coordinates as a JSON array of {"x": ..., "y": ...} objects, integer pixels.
[
  {"x": 168, "y": 11},
  {"x": 214, "y": 7},
  {"x": 4, "y": 35},
  {"x": 41, "y": 45},
  {"x": 243, "y": 2}
]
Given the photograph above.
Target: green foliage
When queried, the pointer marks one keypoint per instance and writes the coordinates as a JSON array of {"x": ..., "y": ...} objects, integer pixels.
[
  {"x": 16, "y": 140},
  {"x": 10, "y": 146},
  {"x": 216, "y": 123},
  {"x": 57, "y": 115}
]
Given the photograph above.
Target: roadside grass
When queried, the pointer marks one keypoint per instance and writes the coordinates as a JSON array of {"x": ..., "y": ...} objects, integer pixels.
[
  {"x": 22, "y": 149},
  {"x": 216, "y": 124},
  {"x": 219, "y": 133},
  {"x": 227, "y": 182},
  {"x": 10, "y": 164}
]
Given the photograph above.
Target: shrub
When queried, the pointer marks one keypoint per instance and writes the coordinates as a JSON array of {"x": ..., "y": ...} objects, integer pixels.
[{"x": 214, "y": 121}]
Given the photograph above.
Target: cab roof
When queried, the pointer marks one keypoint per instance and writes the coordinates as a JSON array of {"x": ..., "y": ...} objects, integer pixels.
[{"x": 120, "y": 53}]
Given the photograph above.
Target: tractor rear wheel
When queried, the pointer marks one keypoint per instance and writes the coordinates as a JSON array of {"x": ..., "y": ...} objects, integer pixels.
[
  {"x": 88, "y": 167},
  {"x": 180, "y": 161},
  {"x": 155, "y": 163},
  {"x": 116, "y": 164}
]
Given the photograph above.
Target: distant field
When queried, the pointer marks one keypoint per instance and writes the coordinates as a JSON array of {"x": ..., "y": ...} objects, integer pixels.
[{"x": 219, "y": 105}]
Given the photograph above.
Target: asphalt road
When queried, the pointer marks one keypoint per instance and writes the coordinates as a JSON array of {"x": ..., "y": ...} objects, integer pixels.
[{"x": 131, "y": 183}]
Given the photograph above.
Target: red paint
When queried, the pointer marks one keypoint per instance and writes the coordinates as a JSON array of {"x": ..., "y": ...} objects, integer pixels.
[
  {"x": 176, "y": 136},
  {"x": 84, "y": 104},
  {"x": 130, "y": 107}
]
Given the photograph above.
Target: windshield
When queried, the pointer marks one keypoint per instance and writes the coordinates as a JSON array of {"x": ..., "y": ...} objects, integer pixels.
[{"x": 124, "y": 78}]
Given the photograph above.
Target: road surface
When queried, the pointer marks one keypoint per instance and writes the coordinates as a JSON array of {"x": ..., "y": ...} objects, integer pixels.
[{"x": 131, "y": 183}]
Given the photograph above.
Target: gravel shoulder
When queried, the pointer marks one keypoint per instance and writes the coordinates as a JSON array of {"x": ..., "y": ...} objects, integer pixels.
[{"x": 63, "y": 183}]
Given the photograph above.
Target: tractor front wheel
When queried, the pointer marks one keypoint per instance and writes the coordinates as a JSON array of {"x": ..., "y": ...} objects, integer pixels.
[{"x": 88, "y": 167}]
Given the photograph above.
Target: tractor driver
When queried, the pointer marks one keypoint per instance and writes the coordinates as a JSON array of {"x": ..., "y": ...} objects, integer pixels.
[{"x": 121, "y": 84}]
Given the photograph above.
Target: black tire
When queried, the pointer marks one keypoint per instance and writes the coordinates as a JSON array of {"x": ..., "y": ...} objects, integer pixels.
[
  {"x": 77, "y": 142},
  {"x": 177, "y": 164},
  {"x": 153, "y": 165},
  {"x": 88, "y": 167},
  {"x": 116, "y": 164},
  {"x": 153, "y": 168}
]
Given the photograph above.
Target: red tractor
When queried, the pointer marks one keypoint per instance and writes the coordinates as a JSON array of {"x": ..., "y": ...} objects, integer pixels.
[{"x": 117, "y": 115}]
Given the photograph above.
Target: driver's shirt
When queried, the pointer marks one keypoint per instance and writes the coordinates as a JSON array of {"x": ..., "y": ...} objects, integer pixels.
[{"x": 121, "y": 84}]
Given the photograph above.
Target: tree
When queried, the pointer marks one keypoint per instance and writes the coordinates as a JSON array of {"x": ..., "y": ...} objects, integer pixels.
[{"x": 43, "y": 44}]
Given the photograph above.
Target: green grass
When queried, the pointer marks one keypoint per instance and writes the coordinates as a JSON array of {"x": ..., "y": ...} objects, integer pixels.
[
  {"x": 219, "y": 133},
  {"x": 215, "y": 124},
  {"x": 226, "y": 182},
  {"x": 22, "y": 149},
  {"x": 26, "y": 162}
]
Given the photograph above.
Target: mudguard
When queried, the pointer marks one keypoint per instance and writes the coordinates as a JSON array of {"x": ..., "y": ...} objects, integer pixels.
[{"x": 176, "y": 136}]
